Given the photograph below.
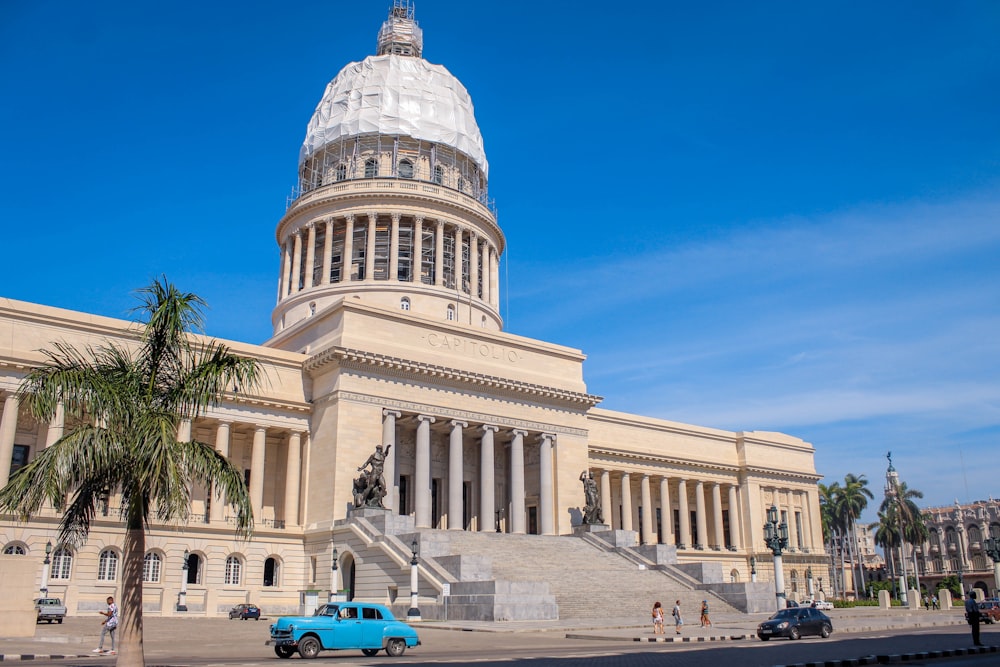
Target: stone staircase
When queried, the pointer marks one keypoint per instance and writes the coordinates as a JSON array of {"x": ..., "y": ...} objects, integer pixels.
[{"x": 587, "y": 581}]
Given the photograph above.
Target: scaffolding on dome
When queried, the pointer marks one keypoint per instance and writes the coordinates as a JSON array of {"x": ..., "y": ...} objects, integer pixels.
[{"x": 400, "y": 34}]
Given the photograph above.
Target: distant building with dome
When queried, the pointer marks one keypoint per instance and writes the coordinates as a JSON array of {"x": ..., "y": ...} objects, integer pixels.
[{"x": 387, "y": 330}]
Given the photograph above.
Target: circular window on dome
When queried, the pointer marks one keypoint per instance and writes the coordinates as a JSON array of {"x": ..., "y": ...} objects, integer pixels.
[{"x": 406, "y": 169}]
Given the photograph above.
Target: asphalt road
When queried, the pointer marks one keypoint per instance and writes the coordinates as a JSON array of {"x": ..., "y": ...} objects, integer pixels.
[{"x": 242, "y": 643}]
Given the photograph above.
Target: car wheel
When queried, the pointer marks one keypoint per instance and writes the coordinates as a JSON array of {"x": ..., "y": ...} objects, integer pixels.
[
  {"x": 284, "y": 651},
  {"x": 764, "y": 639},
  {"x": 826, "y": 631},
  {"x": 794, "y": 634},
  {"x": 309, "y": 647},
  {"x": 59, "y": 621},
  {"x": 370, "y": 651},
  {"x": 395, "y": 647}
]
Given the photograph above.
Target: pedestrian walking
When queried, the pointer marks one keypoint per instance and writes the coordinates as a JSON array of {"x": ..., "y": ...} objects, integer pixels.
[
  {"x": 972, "y": 616},
  {"x": 927, "y": 603},
  {"x": 657, "y": 618},
  {"x": 706, "y": 622},
  {"x": 108, "y": 627},
  {"x": 934, "y": 602},
  {"x": 678, "y": 621}
]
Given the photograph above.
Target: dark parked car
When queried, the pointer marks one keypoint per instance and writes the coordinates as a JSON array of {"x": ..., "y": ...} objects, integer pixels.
[
  {"x": 245, "y": 611},
  {"x": 796, "y": 623},
  {"x": 989, "y": 610}
]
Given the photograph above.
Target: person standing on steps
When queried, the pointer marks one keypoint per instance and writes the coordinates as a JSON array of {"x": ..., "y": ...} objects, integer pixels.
[
  {"x": 657, "y": 618},
  {"x": 706, "y": 622},
  {"x": 678, "y": 621}
]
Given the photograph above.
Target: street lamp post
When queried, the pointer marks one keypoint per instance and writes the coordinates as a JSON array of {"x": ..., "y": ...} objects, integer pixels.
[
  {"x": 45, "y": 569},
  {"x": 892, "y": 494},
  {"x": 753, "y": 569},
  {"x": 334, "y": 566},
  {"x": 809, "y": 583},
  {"x": 414, "y": 613},
  {"x": 182, "y": 596},
  {"x": 993, "y": 551},
  {"x": 961, "y": 558},
  {"x": 499, "y": 514},
  {"x": 776, "y": 539}
]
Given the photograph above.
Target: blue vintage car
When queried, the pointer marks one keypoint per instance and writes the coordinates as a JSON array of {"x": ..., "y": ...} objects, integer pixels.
[{"x": 339, "y": 626}]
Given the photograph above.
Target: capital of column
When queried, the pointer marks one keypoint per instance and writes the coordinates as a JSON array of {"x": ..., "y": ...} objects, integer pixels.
[
  {"x": 551, "y": 437},
  {"x": 489, "y": 427},
  {"x": 396, "y": 414},
  {"x": 372, "y": 215},
  {"x": 419, "y": 219},
  {"x": 396, "y": 217},
  {"x": 455, "y": 423},
  {"x": 426, "y": 418},
  {"x": 309, "y": 225},
  {"x": 520, "y": 432},
  {"x": 349, "y": 217}
]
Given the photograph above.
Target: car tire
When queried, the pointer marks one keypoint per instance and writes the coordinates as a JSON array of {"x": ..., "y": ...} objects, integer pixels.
[
  {"x": 764, "y": 639},
  {"x": 794, "y": 634},
  {"x": 370, "y": 651},
  {"x": 59, "y": 621},
  {"x": 284, "y": 652},
  {"x": 826, "y": 631},
  {"x": 395, "y": 647},
  {"x": 309, "y": 647}
]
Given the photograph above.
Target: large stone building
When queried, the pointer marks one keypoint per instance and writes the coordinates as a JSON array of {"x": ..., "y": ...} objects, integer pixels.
[
  {"x": 387, "y": 329},
  {"x": 956, "y": 546}
]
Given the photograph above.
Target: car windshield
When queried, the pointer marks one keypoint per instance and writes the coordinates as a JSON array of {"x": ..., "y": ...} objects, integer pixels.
[{"x": 785, "y": 614}]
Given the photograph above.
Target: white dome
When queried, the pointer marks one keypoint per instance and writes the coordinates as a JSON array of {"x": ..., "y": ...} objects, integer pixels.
[{"x": 393, "y": 94}]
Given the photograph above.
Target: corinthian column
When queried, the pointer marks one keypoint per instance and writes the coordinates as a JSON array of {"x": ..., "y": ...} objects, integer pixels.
[
  {"x": 286, "y": 270},
  {"x": 456, "y": 520},
  {"x": 370, "y": 246},
  {"x": 439, "y": 254},
  {"x": 394, "y": 248},
  {"x": 473, "y": 264},
  {"x": 517, "y": 481},
  {"x": 347, "y": 260},
  {"x": 297, "y": 262},
  {"x": 545, "y": 483},
  {"x": 422, "y": 473},
  {"x": 310, "y": 254},
  {"x": 327, "y": 252}
]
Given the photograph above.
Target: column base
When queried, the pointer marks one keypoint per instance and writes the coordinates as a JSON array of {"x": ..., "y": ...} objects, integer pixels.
[{"x": 413, "y": 615}]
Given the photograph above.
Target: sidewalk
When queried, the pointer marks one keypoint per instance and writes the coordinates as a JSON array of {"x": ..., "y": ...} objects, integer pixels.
[{"x": 78, "y": 635}]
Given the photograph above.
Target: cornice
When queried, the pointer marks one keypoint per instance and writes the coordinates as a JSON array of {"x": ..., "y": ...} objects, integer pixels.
[
  {"x": 395, "y": 366},
  {"x": 770, "y": 473},
  {"x": 614, "y": 455}
]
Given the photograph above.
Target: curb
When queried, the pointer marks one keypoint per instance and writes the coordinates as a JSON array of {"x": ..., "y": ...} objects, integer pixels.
[
  {"x": 19, "y": 657},
  {"x": 892, "y": 659}
]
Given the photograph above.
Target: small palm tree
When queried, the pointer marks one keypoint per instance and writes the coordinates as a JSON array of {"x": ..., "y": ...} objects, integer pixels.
[
  {"x": 832, "y": 526},
  {"x": 851, "y": 502},
  {"x": 129, "y": 401}
]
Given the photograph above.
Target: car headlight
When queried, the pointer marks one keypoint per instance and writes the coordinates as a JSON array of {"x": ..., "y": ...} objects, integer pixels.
[{"x": 782, "y": 625}]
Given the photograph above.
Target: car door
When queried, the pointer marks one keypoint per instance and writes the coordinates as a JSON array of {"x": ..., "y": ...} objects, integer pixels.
[
  {"x": 372, "y": 627},
  {"x": 346, "y": 628}
]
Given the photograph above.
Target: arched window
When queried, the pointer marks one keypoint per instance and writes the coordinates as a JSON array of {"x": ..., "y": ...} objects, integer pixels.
[
  {"x": 451, "y": 313},
  {"x": 404, "y": 303},
  {"x": 979, "y": 562},
  {"x": 234, "y": 571},
  {"x": 406, "y": 168},
  {"x": 974, "y": 534},
  {"x": 341, "y": 171},
  {"x": 795, "y": 581},
  {"x": 371, "y": 168},
  {"x": 734, "y": 577},
  {"x": 438, "y": 174},
  {"x": 107, "y": 565},
  {"x": 271, "y": 572},
  {"x": 15, "y": 550},
  {"x": 194, "y": 569},
  {"x": 151, "y": 568},
  {"x": 484, "y": 322},
  {"x": 62, "y": 563}
]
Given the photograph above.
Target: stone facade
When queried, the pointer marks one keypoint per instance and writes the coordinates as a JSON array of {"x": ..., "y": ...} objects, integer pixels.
[
  {"x": 956, "y": 545},
  {"x": 387, "y": 331}
]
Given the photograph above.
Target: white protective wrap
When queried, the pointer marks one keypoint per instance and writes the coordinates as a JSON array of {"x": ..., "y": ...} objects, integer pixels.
[{"x": 393, "y": 94}]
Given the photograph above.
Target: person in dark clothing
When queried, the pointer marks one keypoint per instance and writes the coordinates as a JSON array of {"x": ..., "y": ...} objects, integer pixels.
[{"x": 973, "y": 617}]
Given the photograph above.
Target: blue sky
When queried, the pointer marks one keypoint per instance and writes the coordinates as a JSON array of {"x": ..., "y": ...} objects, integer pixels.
[{"x": 754, "y": 216}]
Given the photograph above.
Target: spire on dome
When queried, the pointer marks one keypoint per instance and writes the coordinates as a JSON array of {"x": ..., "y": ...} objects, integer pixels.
[{"x": 400, "y": 34}]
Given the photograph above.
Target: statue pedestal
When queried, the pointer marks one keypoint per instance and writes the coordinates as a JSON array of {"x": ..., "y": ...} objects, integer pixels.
[
  {"x": 368, "y": 512},
  {"x": 591, "y": 528}
]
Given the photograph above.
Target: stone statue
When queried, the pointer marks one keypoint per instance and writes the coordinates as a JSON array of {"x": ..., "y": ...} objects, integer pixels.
[
  {"x": 369, "y": 487},
  {"x": 592, "y": 510}
]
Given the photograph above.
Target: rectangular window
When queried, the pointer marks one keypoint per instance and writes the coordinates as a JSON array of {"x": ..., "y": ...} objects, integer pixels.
[
  {"x": 317, "y": 267},
  {"x": 466, "y": 265},
  {"x": 337, "y": 253},
  {"x": 532, "y": 520},
  {"x": 381, "y": 265},
  {"x": 404, "y": 271},
  {"x": 435, "y": 503},
  {"x": 404, "y": 495},
  {"x": 798, "y": 528},
  {"x": 449, "y": 261},
  {"x": 427, "y": 256},
  {"x": 725, "y": 528},
  {"x": 360, "y": 247},
  {"x": 467, "y": 504},
  {"x": 659, "y": 526},
  {"x": 19, "y": 458}
]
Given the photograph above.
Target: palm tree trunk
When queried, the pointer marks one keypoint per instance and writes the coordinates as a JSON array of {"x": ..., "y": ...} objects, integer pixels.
[
  {"x": 130, "y": 650},
  {"x": 843, "y": 565},
  {"x": 833, "y": 567},
  {"x": 857, "y": 558}
]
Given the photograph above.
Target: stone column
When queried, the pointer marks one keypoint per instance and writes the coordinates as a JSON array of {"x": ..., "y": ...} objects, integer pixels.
[
  {"x": 221, "y": 446},
  {"x": 648, "y": 536},
  {"x": 487, "y": 485},
  {"x": 286, "y": 269},
  {"x": 606, "y": 498},
  {"x": 473, "y": 264},
  {"x": 347, "y": 261},
  {"x": 626, "y": 502},
  {"x": 293, "y": 468},
  {"x": 734, "y": 520},
  {"x": 667, "y": 511},
  {"x": 545, "y": 508},
  {"x": 8, "y": 428},
  {"x": 459, "y": 265},
  {"x": 495, "y": 277},
  {"x": 310, "y": 254},
  {"x": 422, "y": 473},
  {"x": 517, "y": 481},
  {"x": 807, "y": 522},
  {"x": 439, "y": 254},
  {"x": 456, "y": 520},
  {"x": 296, "y": 262},
  {"x": 57, "y": 426},
  {"x": 257, "y": 472},
  {"x": 327, "y": 253},
  {"x": 370, "y": 246},
  {"x": 394, "y": 248},
  {"x": 484, "y": 260},
  {"x": 391, "y": 501},
  {"x": 793, "y": 531},
  {"x": 701, "y": 523},
  {"x": 184, "y": 431},
  {"x": 720, "y": 539},
  {"x": 685, "y": 514},
  {"x": 418, "y": 247}
]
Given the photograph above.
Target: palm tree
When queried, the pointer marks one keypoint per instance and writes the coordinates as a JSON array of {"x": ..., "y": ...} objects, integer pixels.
[
  {"x": 851, "y": 502},
  {"x": 831, "y": 522},
  {"x": 902, "y": 515},
  {"x": 129, "y": 400}
]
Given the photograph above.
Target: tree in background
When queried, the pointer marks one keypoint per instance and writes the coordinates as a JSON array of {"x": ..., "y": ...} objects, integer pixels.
[{"x": 129, "y": 400}]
